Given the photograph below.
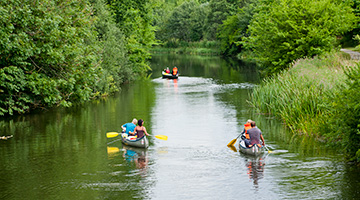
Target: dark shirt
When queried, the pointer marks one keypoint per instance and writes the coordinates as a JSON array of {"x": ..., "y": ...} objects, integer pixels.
[
  {"x": 139, "y": 132},
  {"x": 254, "y": 134}
]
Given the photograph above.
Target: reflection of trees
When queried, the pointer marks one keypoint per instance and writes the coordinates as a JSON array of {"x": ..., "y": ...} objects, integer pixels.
[
  {"x": 68, "y": 145},
  {"x": 228, "y": 71},
  {"x": 255, "y": 169}
]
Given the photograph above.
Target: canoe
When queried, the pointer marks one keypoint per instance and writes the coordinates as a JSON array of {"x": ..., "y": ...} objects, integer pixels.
[
  {"x": 169, "y": 75},
  {"x": 254, "y": 150},
  {"x": 138, "y": 142}
]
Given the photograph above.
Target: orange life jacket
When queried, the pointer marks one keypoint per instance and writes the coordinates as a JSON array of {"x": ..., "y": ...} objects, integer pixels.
[
  {"x": 259, "y": 145},
  {"x": 247, "y": 127},
  {"x": 175, "y": 71}
]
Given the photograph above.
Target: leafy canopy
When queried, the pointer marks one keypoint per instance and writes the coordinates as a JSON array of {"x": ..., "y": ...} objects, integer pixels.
[{"x": 285, "y": 30}]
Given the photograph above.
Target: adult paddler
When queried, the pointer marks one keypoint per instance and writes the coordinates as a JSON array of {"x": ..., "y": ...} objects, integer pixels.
[
  {"x": 247, "y": 126},
  {"x": 174, "y": 71},
  {"x": 255, "y": 136}
]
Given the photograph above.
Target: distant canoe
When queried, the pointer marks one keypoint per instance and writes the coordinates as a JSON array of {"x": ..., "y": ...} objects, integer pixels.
[
  {"x": 169, "y": 75},
  {"x": 254, "y": 150},
  {"x": 139, "y": 142}
]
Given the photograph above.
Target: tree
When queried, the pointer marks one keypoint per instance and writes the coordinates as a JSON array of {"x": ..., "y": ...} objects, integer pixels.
[
  {"x": 185, "y": 22},
  {"x": 134, "y": 18},
  {"x": 344, "y": 115},
  {"x": 219, "y": 10},
  {"x": 114, "y": 57},
  {"x": 48, "y": 54},
  {"x": 234, "y": 28},
  {"x": 285, "y": 30}
]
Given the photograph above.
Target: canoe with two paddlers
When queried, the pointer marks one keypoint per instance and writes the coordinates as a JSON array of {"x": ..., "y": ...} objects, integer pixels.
[
  {"x": 134, "y": 141},
  {"x": 169, "y": 75},
  {"x": 254, "y": 150}
]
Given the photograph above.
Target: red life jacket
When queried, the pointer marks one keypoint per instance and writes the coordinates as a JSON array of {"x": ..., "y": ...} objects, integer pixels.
[
  {"x": 247, "y": 127},
  {"x": 174, "y": 71}
]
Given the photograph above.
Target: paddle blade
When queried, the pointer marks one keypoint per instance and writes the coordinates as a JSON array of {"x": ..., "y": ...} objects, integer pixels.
[
  {"x": 111, "y": 150},
  {"x": 268, "y": 149},
  {"x": 161, "y": 137},
  {"x": 111, "y": 134},
  {"x": 232, "y": 142},
  {"x": 232, "y": 148}
]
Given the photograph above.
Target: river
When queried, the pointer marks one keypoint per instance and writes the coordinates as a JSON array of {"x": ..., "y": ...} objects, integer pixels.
[{"x": 63, "y": 153}]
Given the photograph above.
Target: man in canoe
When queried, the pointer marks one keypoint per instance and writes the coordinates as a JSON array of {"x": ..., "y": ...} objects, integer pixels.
[
  {"x": 255, "y": 136},
  {"x": 129, "y": 127}
]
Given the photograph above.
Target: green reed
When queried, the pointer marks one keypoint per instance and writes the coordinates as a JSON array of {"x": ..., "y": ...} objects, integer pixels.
[{"x": 301, "y": 95}]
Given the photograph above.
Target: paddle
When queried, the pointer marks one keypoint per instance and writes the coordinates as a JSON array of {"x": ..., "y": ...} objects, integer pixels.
[
  {"x": 114, "y": 134},
  {"x": 234, "y": 140},
  {"x": 268, "y": 149},
  {"x": 111, "y": 150},
  {"x": 233, "y": 148}
]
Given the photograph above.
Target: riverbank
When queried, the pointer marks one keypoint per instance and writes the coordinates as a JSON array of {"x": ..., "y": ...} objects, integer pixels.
[
  {"x": 309, "y": 99},
  {"x": 187, "y": 50},
  {"x": 191, "y": 48}
]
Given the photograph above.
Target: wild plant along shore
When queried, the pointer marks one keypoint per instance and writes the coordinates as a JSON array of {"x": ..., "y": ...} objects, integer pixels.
[{"x": 318, "y": 98}]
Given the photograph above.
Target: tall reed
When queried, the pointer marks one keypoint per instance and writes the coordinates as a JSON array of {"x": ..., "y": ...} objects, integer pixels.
[{"x": 300, "y": 95}]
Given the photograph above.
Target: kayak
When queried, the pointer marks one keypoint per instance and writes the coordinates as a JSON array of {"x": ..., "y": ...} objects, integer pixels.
[
  {"x": 170, "y": 76},
  {"x": 134, "y": 142},
  {"x": 255, "y": 150}
]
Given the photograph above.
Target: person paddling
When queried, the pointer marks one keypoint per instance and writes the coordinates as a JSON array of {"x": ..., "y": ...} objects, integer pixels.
[
  {"x": 129, "y": 127},
  {"x": 247, "y": 126},
  {"x": 255, "y": 136},
  {"x": 175, "y": 71},
  {"x": 140, "y": 130}
]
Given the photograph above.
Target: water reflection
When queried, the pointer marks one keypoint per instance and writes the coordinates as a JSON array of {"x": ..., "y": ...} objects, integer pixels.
[
  {"x": 255, "y": 169},
  {"x": 136, "y": 155}
]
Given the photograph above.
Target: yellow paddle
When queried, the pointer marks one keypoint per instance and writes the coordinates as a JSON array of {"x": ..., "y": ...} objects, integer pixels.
[
  {"x": 232, "y": 142},
  {"x": 114, "y": 134},
  {"x": 268, "y": 149},
  {"x": 111, "y": 150}
]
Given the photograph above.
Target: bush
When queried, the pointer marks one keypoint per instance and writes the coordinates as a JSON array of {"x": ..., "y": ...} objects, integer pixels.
[
  {"x": 285, "y": 30},
  {"x": 344, "y": 115},
  {"x": 316, "y": 97}
]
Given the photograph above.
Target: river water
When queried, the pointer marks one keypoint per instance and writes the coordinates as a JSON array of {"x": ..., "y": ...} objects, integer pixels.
[{"x": 64, "y": 153}]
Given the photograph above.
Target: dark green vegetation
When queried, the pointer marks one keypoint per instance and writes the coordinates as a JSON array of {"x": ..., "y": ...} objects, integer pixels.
[
  {"x": 64, "y": 52},
  {"x": 316, "y": 98},
  {"x": 273, "y": 33}
]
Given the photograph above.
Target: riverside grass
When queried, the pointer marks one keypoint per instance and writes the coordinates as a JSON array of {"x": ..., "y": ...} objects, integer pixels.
[
  {"x": 195, "y": 48},
  {"x": 302, "y": 95}
]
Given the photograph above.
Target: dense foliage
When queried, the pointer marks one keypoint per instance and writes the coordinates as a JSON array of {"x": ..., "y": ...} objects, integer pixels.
[
  {"x": 192, "y": 20},
  {"x": 65, "y": 52},
  {"x": 313, "y": 101},
  {"x": 47, "y": 54},
  {"x": 234, "y": 28},
  {"x": 343, "y": 125},
  {"x": 186, "y": 22},
  {"x": 135, "y": 18},
  {"x": 285, "y": 30}
]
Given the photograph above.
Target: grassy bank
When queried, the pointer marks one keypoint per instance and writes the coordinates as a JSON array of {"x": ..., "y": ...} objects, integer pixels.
[
  {"x": 195, "y": 48},
  {"x": 308, "y": 98},
  {"x": 186, "y": 50}
]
